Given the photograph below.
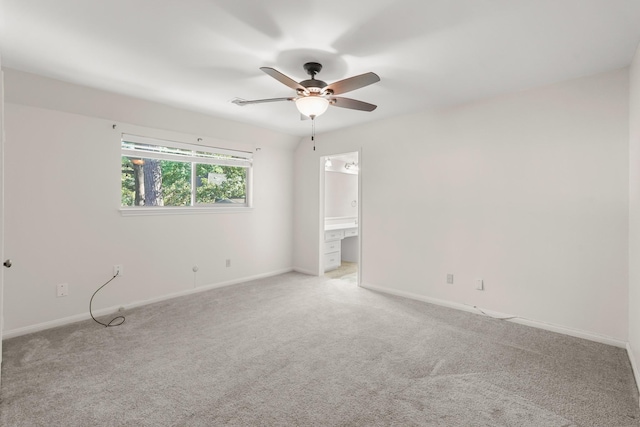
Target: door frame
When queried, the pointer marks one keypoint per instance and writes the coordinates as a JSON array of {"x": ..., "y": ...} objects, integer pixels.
[{"x": 322, "y": 211}]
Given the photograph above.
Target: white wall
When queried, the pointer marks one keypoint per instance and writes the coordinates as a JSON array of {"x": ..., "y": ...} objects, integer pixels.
[
  {"x": 528, "y": 191},
  {"x": 306, "y": 201},
  {"x": 62, "y": 193},
  {"x": 634, "y": 214}
]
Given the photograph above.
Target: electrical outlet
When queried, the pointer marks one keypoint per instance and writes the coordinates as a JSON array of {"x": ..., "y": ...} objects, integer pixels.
[
  {"x": 480, "y": 284},
  {"x": 62, "y": 290},
  {"x": 449, "y": 278},
  {"x": 228, "y": 263},
  {"x": 118, "y": 270}
]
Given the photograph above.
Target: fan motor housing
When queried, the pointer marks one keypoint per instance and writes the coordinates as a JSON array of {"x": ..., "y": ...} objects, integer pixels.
[{"x": 312, "y": 84}]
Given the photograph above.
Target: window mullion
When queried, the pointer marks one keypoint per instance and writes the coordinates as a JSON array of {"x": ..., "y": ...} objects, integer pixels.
[{"x": 194, "y": 180}]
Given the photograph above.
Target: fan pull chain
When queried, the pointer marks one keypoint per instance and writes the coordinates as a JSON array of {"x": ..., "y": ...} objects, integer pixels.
[{"x": 313, "y": 132}]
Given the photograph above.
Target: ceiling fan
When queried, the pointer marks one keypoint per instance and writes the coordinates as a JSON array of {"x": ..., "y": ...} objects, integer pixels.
[{"x": 313, "y": 96}]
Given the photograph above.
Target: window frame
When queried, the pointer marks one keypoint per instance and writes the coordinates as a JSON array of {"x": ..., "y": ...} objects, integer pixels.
[{"x": 240, "y": 159}]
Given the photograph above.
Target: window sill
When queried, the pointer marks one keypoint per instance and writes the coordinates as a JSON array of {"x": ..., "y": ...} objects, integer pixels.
[{"x": 163, "y": 210}]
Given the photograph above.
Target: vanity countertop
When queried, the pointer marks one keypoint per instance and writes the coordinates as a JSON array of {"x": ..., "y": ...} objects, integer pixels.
[{"x": 340, "y": 226}]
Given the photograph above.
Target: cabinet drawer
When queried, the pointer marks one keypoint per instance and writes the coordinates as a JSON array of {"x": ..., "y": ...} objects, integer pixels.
[
  {"x": 333, "y": 235},
  {"x": 331, "y": 246},
  {"x": 350, "y": 232},
  {"x": 331, "y": 261}
]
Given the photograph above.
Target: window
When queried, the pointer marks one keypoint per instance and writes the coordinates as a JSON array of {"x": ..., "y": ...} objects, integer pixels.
[{"x": 158, "y": 173}]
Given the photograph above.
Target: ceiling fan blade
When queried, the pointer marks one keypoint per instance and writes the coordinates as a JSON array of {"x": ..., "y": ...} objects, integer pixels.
[
  {"x": 352, "y": 83},
  {"x": 287, "y": 81},
  {"x": 243, "y": 102},
  {"x": 352, "y": 104}
]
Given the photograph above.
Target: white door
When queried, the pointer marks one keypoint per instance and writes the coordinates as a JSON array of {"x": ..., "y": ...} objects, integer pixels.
[{"x": 1, "y": 208}]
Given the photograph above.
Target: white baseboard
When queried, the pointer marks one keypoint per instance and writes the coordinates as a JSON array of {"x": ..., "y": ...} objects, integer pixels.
[
  {"x": 111, "y": 310},
  {"x": 477, "y": 310},
  {"x": 303, "y": 271},
  {"x": 634, "y": 367}
]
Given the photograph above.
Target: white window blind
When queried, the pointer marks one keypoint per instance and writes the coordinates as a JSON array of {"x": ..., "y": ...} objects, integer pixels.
[{"x": 140, "y": 146}]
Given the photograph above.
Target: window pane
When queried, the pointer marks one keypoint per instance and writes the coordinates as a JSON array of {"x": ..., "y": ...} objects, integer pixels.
[
  {"x": 221, "y": 184},
  {"x": 152, "y": 182},
  {"x": 176, "y": 183},
  {"x": 128, "y": 183}
]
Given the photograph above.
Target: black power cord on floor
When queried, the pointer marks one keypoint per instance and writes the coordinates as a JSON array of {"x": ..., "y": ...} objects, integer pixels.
[{"x": 106, "y": 325}]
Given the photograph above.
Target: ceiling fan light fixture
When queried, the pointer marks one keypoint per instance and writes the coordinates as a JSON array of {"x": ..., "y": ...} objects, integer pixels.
[{"x": 312, "y": 106}]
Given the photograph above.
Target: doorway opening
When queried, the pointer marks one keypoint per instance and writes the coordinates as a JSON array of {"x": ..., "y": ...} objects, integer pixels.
[{"x": 341, "y": 243}]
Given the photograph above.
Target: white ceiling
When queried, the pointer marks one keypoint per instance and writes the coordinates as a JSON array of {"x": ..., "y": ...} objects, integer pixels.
[{"x": 201, "y": 54}]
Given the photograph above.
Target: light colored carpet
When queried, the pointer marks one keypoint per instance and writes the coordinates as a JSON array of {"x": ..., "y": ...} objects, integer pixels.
[{"x": 305, "y": 351}]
